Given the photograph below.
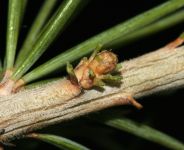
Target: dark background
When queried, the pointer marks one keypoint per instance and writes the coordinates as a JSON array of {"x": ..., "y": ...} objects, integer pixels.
[{"x": 161, "y": 111}]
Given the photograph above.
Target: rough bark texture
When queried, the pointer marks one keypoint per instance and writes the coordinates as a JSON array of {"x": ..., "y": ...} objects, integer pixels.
[{"x": 55, "y": 102}]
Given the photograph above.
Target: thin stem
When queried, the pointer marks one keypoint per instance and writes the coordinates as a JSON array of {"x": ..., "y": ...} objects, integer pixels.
[
  {"x": 53, "y": 28},
  {"x": 61, "y": 100},
  {"x": 107, "y": 37},
  {"x": 34, "y": 31},
  {"x": 145, "y": 132},
  {"x": 13, "y": 25}
]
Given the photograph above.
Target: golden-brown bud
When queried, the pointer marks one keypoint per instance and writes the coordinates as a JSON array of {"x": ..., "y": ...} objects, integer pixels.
[
  {"x": 94, "y": 68},
  {"x": 104, "y": 62}
]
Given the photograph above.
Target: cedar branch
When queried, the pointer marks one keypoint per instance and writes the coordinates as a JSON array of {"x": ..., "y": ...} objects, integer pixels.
[{"x": 36, "y": 108}]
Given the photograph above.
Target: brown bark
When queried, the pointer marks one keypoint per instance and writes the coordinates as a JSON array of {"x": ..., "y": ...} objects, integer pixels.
[{"x": 55, "y": 102}]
